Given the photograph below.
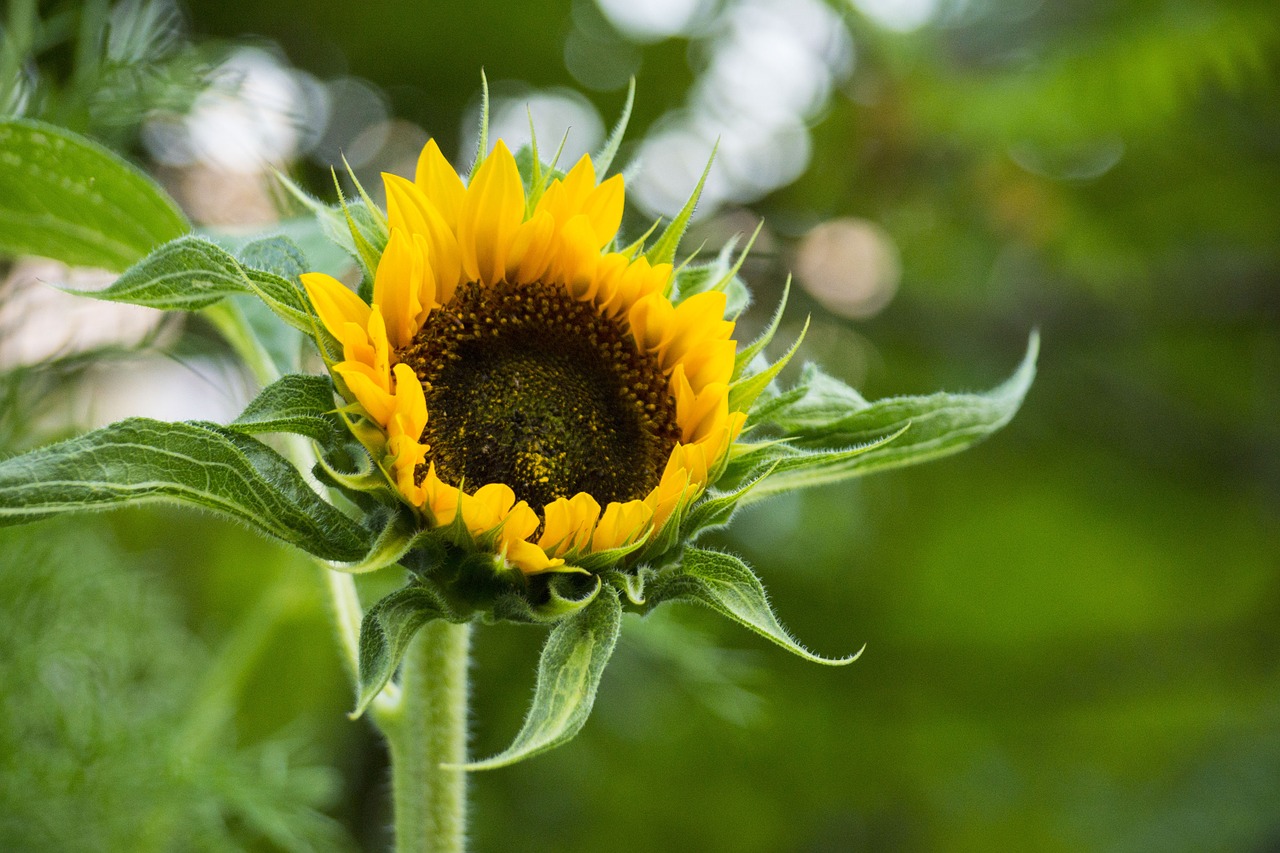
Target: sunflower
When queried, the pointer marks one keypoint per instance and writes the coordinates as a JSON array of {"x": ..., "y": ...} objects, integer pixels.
[{"x": 531, "y": 385}]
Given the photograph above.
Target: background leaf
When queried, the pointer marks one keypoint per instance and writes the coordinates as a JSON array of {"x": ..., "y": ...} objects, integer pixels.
[{"x": 65, "y": 197}]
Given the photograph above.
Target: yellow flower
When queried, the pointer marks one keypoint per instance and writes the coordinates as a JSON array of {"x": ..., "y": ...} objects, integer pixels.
[{"x": 532, "y": 384}]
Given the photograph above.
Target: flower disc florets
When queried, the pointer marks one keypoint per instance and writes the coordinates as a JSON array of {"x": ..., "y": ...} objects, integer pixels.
[
  {"x": 534, "y": 387},
  {"x": 530, "y": 387}
]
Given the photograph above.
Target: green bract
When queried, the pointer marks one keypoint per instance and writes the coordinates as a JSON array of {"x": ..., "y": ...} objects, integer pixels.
[{"x": 814, "y": 432}]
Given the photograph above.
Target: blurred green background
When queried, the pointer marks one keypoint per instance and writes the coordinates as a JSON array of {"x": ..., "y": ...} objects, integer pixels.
[{"x": 1071, "y": 632}]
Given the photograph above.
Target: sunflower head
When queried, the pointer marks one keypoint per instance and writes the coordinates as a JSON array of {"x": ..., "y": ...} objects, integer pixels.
[{"x": 531, "y": 390}]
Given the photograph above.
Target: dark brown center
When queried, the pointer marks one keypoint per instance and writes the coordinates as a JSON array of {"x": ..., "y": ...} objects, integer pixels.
[{"x": 527, "y": 386}]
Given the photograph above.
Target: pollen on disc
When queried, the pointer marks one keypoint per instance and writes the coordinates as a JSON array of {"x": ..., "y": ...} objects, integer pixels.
[{"x": 527, "y": 386}]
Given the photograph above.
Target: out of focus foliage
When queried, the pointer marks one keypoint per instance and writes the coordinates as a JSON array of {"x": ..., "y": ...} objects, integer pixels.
[{"x": 1072, "y": 632}]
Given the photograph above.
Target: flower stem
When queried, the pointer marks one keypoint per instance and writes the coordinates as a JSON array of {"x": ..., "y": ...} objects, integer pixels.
[{"x": 428, "y": 729}]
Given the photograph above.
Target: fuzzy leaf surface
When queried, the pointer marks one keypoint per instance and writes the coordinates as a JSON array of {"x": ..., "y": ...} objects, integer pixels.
[
  {"x": 569, "y": 673},
  {"x": 831, "y": 433},
  {"x": 191, "y": 273},
  {"x": 385, "y": 633},
  {"x": 727, "y": 585},
  {"x": 298, "y": 403},
  {"x": 65, "y": 197},
  {"x": 141, "y": 460}
]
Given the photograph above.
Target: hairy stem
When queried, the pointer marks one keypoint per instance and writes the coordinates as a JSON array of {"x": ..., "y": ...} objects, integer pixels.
[{"x": 428, "y": 730}]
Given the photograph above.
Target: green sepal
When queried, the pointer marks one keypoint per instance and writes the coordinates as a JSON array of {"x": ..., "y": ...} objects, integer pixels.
[
  {"x": 297, "y": 403},
  {"x": 385, "y": 632},
  {"x": 569, "y": 673},
  {"x": 191, "y": 273},
  {"x": 727, "y": 585},
  {"x": 559, "y": 595},
  {"x": 399, "y": 531},
  {"x": 368, "y": 247},
  {"x": 664, "y": 250},
  {"x": 603, "y": 158},
  {"x": 718, "y": 275},
  {"x": 199, "y": 464},
  {"x": 744, "y": 391},
  {"x": 717, "y": 508},
  {"x": 482, "y": 137},
  {"x": 65, "y": 197},
  {"x": 751, "y": 350},
  {"x": 381, "y": 228}
]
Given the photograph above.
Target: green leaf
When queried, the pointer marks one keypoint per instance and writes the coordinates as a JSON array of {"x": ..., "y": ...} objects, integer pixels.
[
  {"x": 831, "y": 414},
  {"x": 140, "y": 460},
  {"x": 296, "y": 403},
  {"x": 569, "y": 673},
  {"x": 279, "y": 255},
  {"x": 728, "y": 586},
  {"x": 65, "y": 197},
  {"x": 783, "y": 468},
  {"x": 191, "y": 273},
  {"x": 385, "y": 633}
]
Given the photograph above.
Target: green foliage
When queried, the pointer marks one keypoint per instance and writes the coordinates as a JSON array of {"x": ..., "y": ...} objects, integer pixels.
[
  {"x": 727, "y": 585},
  {"x": 191, "y": 273},
  {"x": 103, "y": 729},
  {"x": 829, "y": 433},
  {"x": 296, "y": 403},
  {"x": 204, "y": 465},
  {"x": 65, "y": 197},
  {"x": 385, "y": 632},
  {"x": 569, "y": 673}
]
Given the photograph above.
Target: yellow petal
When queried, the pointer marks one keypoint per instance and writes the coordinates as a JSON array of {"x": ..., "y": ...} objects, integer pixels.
[
  {"x": 491, "y": 212},
  {"x": 530, "y": 255},
  {"x": 375, "y": 399},
  {"x": 604, "y": 208},
  {"x": 438, "y": 180},
  {"x": 529, "y": 558},
  {"x": 570, "y": 522},
  {"x": 621, "y": 524},
  {"x": 699, "y": 318},
  {"x": 708, "y": 362},
  {"x": 397, "y": 287},
  {"x": 670, "y": 491},
  {"x": 440, "y": 499},
  {"x": 650, "y": 320},
  {"x": 410, "y": 209},
  {"x": 578, "y": 258},
  {"x": 410, "y": 402},
  {"x": 638, "y": 281},
  {"x": 335, "y": 303}
]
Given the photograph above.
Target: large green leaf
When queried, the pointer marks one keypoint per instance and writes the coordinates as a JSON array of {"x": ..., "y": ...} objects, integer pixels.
[
  {"x": 569, "y": 673},
  {"x": 141, "y": 460},
  {"x": 728, "y": 586},
  {"x": 191, "y": 273},
  {"x": 65, "y": 197}
]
